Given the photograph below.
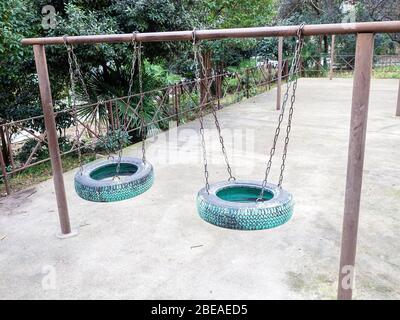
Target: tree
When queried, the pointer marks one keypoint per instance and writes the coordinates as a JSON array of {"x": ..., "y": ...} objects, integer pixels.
[{"x": 379, "y": 10}]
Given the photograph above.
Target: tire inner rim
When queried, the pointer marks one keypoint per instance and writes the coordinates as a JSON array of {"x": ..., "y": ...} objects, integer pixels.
[
  {"x": 108, "y": 171},
  {"x": 243, "y": 194},
  {"x": 234, "y": 205}
]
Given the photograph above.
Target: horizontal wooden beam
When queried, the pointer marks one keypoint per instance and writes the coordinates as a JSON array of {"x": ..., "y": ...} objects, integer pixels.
[{"x": 277, "y": 31}]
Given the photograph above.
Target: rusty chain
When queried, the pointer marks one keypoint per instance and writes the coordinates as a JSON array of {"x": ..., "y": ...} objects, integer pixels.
[
  {"x": 199, "y": 58},
  {"x": 201, "y": 111},
  {"x": 71, "y": 60},
  {"x": 292, "y": 79}
]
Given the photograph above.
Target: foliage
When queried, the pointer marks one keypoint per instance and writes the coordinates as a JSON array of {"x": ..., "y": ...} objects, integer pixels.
[
  {"x": 235, "y": 14},
  {"x": 18, "y": 88},
  {"x": 389, "y": 72},
  {"x": 231, "y": 13},
  {"x": 113, "y": 141},
  {"x": 41, "y": 152}
]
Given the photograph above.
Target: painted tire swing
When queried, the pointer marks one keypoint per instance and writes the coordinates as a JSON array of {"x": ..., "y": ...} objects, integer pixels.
[
  {"x": 248, "y": 205},
  {"x": 234, "y": 205},
  {"x": 119, "y": 178},
  {"x": 98, "y": 182}
]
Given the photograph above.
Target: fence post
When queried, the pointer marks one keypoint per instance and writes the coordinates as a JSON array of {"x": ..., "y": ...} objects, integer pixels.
[
  {"x": 358, "y": 129},
  {"x": 279, "y": 84},
  {"x": 269, "y": 75},
  {"x": 302, "y": 72},
  {"x": 110, "y": 114},
  {"x": 4, "y": 173},
  {"x": 332, "y": 57},
  {"x": 247, "y": 83},
  {"x": 176, "y": 102},
  {"x": 10, "y": 149},
  {"x": 49, "y": 120},
  {"x": 398, "y": 102},
  {"x": 4, "y": 144},
  {"x": 219, "y": 89},
  {"x": 286, "y": 70}
]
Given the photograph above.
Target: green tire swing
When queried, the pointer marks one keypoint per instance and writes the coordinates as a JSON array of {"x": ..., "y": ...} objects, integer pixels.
[
  {"x": 115, "y": 178},
  {"x": 234, "y": 205},
  {"x": 97, "y": 180},
  {"x": 248, "y": 205}
]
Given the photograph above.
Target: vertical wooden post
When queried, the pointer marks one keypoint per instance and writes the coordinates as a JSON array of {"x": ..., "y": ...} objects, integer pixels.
[
  {"x": 398, "y": 103},
  {"x": 4, "y": 173},
  {"x": 219, "y": 90},
  {"x": 10, "y": 149},
  {"x": 4, "y": 145},
  {"x": 279, "y": 84},
  {"x": 318, "y": 60},
  {"x": 247, "y": 83},
  {"x": 110, "y": 114},
  {"x": 358, "y": 129},
  {"x": 49, "y": 120},
  {"x": 332, "y": 57},
  {"x": 286, "y": 70},
  {"x": 269, "y": 75},
  {"x": 176, "y": 102},
  {"x": 301, "y": 67},
  {"x": 205, "y": 97}
]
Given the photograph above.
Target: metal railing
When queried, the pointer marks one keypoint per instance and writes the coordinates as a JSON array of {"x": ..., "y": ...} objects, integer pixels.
[
  {"x": 343, "y": 64},
  {"x": 178, "y": 102}
]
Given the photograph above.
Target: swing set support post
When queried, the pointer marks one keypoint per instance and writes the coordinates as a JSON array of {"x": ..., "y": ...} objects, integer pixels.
[
  {"x": 279, "y": 83},
  {"x": 50, "y": 123},
  {"x": 332, "y": 57},
  {"x": 358, "y": 129}
]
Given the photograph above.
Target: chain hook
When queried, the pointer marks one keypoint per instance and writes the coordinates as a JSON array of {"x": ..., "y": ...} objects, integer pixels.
[
  {"x": 300, "y": 30},
  {"x": 194, "y": 40}
]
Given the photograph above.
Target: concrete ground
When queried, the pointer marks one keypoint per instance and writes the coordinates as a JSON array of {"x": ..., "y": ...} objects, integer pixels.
[{"x": 156, "y": 247}]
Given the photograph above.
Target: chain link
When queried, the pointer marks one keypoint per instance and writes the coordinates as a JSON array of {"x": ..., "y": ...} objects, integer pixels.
[
  {"x": 75, "y": 72},
  {"x": 133, "y": 63},
  {"x": 143, "y": 125},
  {"x": 214, "y": 113},
  {"x": 292, "y": 79},
  {"x": 199, "y": 58},
  {"x": 134, "y": 59},
  {"x": 300, "y": 42},
  {"x": 71, "y": 60},
  {"x": 201, "y": 111}
]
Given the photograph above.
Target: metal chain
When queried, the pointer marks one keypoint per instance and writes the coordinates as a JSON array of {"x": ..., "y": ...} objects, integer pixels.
[
  {"x": 214, "y": 113},
  {"x": 133, "y": 63},
  {"x": 293, "y": 77},
  {"x": 201, "y": 111},
  {"x": 300, "y": 42},
  {"x": 130, "y": 86},
  {"x": 143, "y": 125},
  {"x": 78, "y": 70},
  {"x": 73, "y": 96}
]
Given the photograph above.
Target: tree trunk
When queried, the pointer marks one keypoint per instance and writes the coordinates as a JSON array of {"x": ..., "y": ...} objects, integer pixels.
[
  {"x": 4, "y": 146},
  {"x": 205, "y": 94}
]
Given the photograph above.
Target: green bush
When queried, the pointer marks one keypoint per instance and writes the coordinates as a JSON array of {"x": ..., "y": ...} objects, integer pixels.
[
  {"x": 113, "y": 141},
  {"x": 42, "y": 152}
]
